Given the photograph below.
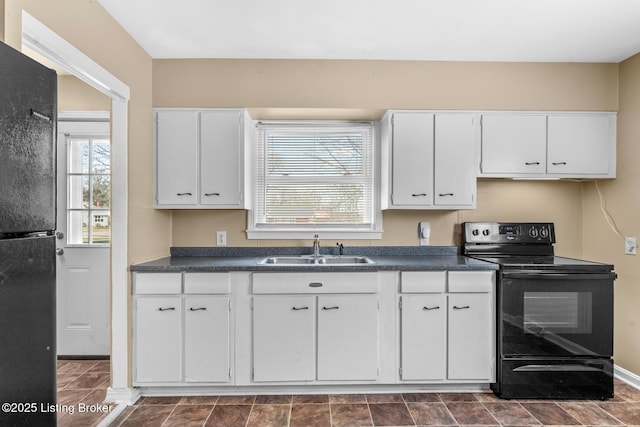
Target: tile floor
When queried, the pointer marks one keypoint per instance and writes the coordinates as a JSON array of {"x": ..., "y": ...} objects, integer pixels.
[{"x": 86, "y": 382}]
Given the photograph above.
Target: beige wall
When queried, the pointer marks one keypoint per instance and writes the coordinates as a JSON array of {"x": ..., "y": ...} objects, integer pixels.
[
  {"x": 623, "y": 203},
  {"x": 76, "y": 95},
  {"x": 87, "y": 26}
]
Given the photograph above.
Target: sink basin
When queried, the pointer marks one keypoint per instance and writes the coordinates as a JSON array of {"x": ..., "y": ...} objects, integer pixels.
[{"x": 321, "y": 260}]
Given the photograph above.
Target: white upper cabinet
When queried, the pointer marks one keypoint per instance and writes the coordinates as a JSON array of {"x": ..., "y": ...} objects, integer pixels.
[
  {"x": 582, "y": 144},
  {"x": 514, "y": 143},
  {"x": 177, "y": 158},
  {"x": 428, "y": 160},
  {"x": 548, "y": 145},
  {"x": 200, "y": 158}
]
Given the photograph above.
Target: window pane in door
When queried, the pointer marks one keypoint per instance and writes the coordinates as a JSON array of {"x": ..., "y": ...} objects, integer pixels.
[
  {"x": 101, "y": 157},
  {"x": 78, "y": 192},
  {"x": 78, "y": 156},
  {"x": 101, "y": 191}
]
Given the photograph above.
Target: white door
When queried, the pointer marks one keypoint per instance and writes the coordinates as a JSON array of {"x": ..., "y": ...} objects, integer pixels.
[{"x": 84, "y": 228}]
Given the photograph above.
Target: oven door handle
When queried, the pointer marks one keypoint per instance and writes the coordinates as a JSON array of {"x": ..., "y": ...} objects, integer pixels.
[
  {"x": 559, "y": 368},
  {"x": 536, "y": 275}
]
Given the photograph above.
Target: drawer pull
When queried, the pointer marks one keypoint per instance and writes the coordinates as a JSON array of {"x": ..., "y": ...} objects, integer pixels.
[
  {"x": 559, "y": 163},
  {"x": 315, "y": 285},
  {"x": 184, "y": 194},
  {"x": 335, "y": 307},
  {"x": 299, "y": 308},
  {"x": 445, "y": 194},
  {"x": 211, "y": 194},
  {"x": 531, "y": 163},
  {"x": 166, "y": 308},
  {"x": 198, "y": 309},
  {"x": 464, "y": 307},
  {"x": 437, "y": 307},
  {"x": 419, "y": 195}
]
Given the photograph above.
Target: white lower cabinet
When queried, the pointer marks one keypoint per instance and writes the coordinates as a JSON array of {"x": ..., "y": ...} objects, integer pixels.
[
  {"x": 447, "y": 327},
  {"x": 181, "y": 337},
  {"x": 424, "y": 337},
  {"x": 158, "y": 334},
  {"x": 310, "y": 336},
  {"x": 206, "y": 339},
  {"x": 470, "y": 337},
  {"x": 284, "y": 344},
  {"x": 348, "y": 337}
]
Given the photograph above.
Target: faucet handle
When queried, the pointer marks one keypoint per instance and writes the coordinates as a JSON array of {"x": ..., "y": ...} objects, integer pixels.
[{"x": 340, "y": 248}]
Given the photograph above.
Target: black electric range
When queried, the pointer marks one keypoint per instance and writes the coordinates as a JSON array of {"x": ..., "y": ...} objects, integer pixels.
[{"x": 554, "y": 314}]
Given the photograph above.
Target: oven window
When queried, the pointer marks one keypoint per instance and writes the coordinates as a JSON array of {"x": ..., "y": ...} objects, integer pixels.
[{"x": 557, "y": 312}]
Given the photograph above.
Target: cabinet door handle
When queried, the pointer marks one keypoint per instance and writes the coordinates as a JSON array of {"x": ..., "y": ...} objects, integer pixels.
[
  {"x": 445, "y": 194},
  {"x": 558, "y": 163},
  {"x": 531, "y": 163},
  {"x": 437, "y": 307},
  {"x": 335, "y": 307},
  {"x": 184, "y": 194},
  {"x": 166, "y": 308},
  {"x": 464, "y": 307},
  {"x": 211, "y": 194},
  {"x": 299, "y": 308},
  {"x": 198, "y": 309},
  {"x": 315, "y": 285},
  {"x": 419, "y": 195}
]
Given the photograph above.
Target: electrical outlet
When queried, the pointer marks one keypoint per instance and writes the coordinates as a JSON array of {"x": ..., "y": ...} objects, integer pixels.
[
  {"x": 221, "y": 238},
  {"x": 630, "y": 245}
]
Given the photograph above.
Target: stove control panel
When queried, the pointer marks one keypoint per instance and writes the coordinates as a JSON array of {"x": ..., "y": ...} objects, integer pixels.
[{"x": 508, "y": 232}]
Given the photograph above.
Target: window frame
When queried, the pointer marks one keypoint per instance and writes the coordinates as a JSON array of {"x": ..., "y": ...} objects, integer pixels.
[{"x": 303, "y": 231}]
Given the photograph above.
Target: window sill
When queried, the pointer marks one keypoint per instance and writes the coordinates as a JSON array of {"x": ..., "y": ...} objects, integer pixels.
[{"x": 308, "y": 234}]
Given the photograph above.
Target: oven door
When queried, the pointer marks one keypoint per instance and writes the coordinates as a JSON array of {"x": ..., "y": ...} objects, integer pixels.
[{"x": 545, "y": 314}]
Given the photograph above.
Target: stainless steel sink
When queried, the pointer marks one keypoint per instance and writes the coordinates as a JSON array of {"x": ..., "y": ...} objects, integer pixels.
[{"x": 320, "y": 260}]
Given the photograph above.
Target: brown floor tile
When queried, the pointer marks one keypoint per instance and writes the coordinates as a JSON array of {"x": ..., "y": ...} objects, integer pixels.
[
  {"x": 347, "y": 398},
  {"x": 510, "y": 413},
  {"x": 148, "y": 416},
  {"x": 101, "y": 366},
  {"x": 188, "y": 416},
  {"x": 350, "y": 415},
  {"x": 71, "y": 397},
  {"x": 279, "y": 399},
  {"x": 589, "y": 413},
  {"x": 471, "y": 413},
  {"x": 457, "y": 397},
  {"x": 626, "y": 412},
  {"x": 390, "y": 414},
  {"x": 236, "y": 400},
  {"x": 385, "y": 398},
  {"x": 269, "y": 416},
  {"x": 550, "y": 413},
  {"x": 310, "y": 415},
  {"x": 229, "y": 416},
  {"x": 431, "y": 414},
  {"x": 198, "y": 400},
  {"x": 626, "y": 392},
  {"x": 310, "y": 398},
  {"x": 90, "y": 380},
  {"x": 159, "y": 400},
  {"x": 487, "y": 397},
  {"x": 421, "y": 397}
]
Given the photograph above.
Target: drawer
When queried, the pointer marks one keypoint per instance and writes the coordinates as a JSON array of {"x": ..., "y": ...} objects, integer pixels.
[
  {"x": 423, "y": 281},
  {"x": 207, "y": 283},
  {"x": 471, "y": 281},
  {"x": 315, "y": 283},
  {"x": 158, "y": 283}
]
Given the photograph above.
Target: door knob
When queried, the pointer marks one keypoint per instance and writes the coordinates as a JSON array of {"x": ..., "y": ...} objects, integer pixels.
[
  {"x": 59, "y": 251},
  {"x": 60, "y": 235}
]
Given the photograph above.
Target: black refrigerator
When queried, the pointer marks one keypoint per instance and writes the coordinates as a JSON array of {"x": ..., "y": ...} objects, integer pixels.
[{"x": 28, "y": 96}]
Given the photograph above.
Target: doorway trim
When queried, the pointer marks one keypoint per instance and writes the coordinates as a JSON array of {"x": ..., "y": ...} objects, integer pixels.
[{"x": 41, "y": 39}]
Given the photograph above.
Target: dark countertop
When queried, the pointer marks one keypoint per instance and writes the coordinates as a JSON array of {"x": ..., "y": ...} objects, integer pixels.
[{"x": 389, "y": 258}]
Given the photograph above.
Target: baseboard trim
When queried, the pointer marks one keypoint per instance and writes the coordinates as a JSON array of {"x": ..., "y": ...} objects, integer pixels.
[
  {"x": 627, "y": 376},
  {"x": 127, "y": 396},
  {"x": 113, "y": 415}
]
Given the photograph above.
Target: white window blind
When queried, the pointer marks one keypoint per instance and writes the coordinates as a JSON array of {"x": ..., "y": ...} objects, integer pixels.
[{"x": 314, "y": 176}]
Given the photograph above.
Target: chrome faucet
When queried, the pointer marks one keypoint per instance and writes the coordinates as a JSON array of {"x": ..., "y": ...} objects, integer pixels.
[{"x": 316, "y": 245}]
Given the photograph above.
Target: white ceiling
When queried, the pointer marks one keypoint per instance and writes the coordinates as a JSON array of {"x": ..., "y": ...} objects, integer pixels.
[{"x": 434, "y": 30}]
